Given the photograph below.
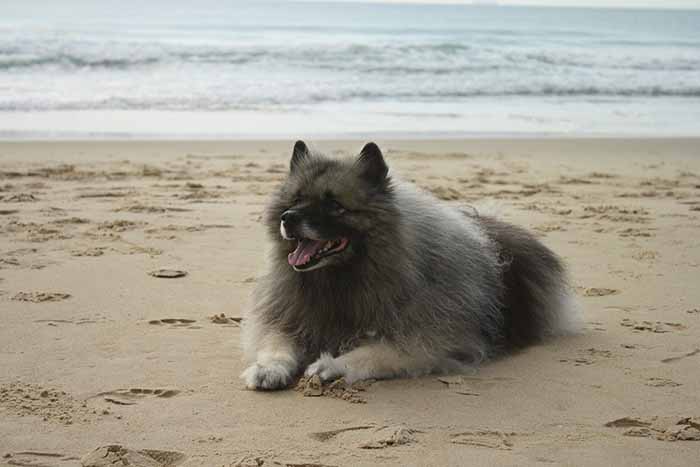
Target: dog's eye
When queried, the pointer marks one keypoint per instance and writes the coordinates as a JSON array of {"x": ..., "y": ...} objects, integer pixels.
[{"x": 336, "y": 207}]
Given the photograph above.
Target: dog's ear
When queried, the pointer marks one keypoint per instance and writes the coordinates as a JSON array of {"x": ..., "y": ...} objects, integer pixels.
[
  {"x": 299, "y": 154},
  {"x": 371, "y": 164}
]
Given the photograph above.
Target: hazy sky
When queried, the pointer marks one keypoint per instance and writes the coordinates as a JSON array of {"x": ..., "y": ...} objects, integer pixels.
[{"x": 599, "y": 3}]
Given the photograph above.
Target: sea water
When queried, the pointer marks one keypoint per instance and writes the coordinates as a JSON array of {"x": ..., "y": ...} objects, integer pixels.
[{"x": 178, "y": 68}]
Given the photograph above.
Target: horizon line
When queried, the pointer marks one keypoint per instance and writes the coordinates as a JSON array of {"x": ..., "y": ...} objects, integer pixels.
[{"x": 501, "y": 4}]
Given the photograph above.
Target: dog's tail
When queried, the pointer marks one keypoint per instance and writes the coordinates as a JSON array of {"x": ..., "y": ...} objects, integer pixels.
[{"x": 538, "y": 301}]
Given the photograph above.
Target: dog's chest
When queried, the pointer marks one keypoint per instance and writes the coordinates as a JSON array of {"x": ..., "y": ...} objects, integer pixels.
[{"x": 334, "y": 322}]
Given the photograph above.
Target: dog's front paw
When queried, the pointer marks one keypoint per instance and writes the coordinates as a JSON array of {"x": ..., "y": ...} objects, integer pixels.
[
  {"x": 267, "y": 377},
  {"x": 326, "y": 367}
]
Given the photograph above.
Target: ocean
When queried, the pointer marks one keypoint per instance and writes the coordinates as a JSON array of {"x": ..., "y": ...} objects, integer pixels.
[{"x": 182, "y": 69}]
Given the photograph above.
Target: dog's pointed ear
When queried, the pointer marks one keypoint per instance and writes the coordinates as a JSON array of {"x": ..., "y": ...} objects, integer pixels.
[
  {"x": 371, "y": 164},
  {"x": 299, "y": 154}
]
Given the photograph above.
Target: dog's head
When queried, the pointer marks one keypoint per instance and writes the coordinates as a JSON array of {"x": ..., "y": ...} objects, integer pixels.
[{"x": 324, "y": 212}]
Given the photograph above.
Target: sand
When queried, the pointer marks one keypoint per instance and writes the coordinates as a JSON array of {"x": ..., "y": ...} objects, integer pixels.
[{"x": 125, "y": 268}]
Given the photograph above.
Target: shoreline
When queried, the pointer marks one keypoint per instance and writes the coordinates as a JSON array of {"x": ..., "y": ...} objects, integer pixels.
[
  {"x": 617, "y": 150},
  {"x": 481, "y": 117},
  {"x": 360, "y": 136}
]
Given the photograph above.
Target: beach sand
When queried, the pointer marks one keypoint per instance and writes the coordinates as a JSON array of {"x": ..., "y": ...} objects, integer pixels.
[{"x": 96, "y": 351}]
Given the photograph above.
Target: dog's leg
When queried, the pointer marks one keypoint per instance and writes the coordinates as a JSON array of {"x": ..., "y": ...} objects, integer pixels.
[
  {"x": 377, "y": 360},
  {"x": 276, "y": 363}
]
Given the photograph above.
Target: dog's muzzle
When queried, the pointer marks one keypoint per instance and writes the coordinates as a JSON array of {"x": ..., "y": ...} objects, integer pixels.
[{"x": 288, "y": 220}]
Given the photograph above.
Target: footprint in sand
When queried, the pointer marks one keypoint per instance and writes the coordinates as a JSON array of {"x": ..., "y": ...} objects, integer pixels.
[
  {"x": 472, "y": 386},
  {"x": 458, "y": 383},
  {"x": 175, "y": 323},
  {"x": 389, "y": 436},
  {"x": 70, "y": 221},
  {"x": 599, "y": 292},
  {"x": 56, "y": 322},
  {"x": 134, "y": 395},
  {"x": 546, "y": 228},
  {"x": 589, "y": 357},
  {"x": 660, "y": 428},
  {"x": 9, "y": 262},
  {"x": 132, "y": 249},
  {"x": 19, "y": 198},
  {"x": 249, "y": 460},
  {"x": 116, "y": 454},
  {"x": 200, "y": 196},
  {"x": 676, "y": 358},
  {"x": 492, "y": 439},
  {"x": 146, "y": 209},
  {"x": 645, "y": 255},
  {"x": 104, "y": 194},
  {"x": 652, "y": 326},
  {"x": 230, "y": 321},
  {"x": 634, "y": 232},
  {"x": 97, "y": 251},
  {"x": 35, "y": 458},
  {"x": 597, "y": 325},
  {"x": 187, "y": 228},
  {"x": 119, "y": 225},
  {"x": 602, "y": 175},
  {"x": 564, "y": 180},
  {"x": 328, "y": 435},
  {"x": 39, "y": 297},
  {"x": 370, "y": 436},
  {"x": 662, "y": 382},
  {"x": 168, "y": 273},
  {"x": 34, "y": 232}
]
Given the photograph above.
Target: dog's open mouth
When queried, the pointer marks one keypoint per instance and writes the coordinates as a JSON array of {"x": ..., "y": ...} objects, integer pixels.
[{"x": 309, "y": 252}]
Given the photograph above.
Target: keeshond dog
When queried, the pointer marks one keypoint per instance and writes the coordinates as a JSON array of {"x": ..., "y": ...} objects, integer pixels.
[{"x": 371, "y": 278}]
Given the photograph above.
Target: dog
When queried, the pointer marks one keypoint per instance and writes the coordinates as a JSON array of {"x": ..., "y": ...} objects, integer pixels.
[{"x": 371, "y": 278}]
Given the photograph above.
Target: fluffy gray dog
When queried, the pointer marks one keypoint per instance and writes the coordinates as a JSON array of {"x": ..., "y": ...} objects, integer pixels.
[{"x": 371, "y": 278}]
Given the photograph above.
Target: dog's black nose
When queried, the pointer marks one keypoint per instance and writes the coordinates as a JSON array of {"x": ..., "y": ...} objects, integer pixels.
[{"x": 288, "y": 216}]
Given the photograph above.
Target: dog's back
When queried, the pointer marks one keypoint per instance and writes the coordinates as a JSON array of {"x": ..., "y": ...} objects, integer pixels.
[
  {"x": 537, "y": 302},
  {"x": 494, "y": 286}
]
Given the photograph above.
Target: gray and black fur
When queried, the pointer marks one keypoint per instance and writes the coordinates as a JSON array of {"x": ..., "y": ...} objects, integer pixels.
[{"x": 421, "y": 287}]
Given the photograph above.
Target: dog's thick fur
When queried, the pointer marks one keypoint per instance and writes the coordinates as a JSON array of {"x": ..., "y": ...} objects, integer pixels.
[{"x": 421, "y": 287}]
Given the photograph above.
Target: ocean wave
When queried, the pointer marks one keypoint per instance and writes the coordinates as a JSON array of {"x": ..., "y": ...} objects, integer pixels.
[
  {"x": 544, "y": 91},
  {"x": 590, "y": 61},
  {"x": 653, "y": 43},
  {"x": 73, "y": 56},
  {"x": 435, "y": 58},
  {"x": 314, "y": 97},
  {"x": 72, "y": 61}
]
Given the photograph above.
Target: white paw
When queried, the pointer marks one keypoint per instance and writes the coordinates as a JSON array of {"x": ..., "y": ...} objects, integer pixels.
[
  {"x": 326, "y": 367},
  {"x": 269, "y": 376}
]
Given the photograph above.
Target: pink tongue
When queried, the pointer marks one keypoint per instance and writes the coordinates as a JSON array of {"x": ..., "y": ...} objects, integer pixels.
[{"x": 304, "y": 252}]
